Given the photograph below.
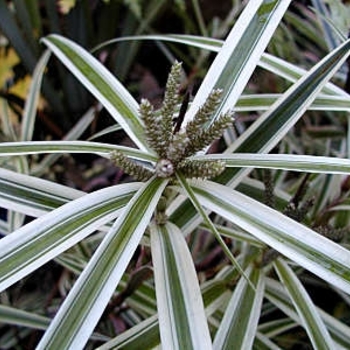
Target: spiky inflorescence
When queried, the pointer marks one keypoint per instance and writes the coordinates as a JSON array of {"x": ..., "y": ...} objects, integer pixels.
[
  {"x": 200, "y": 169},
  {"x": 177, "y": 147},
  {"x": 204, "y": 113},
  {"x": 197, "y": 141},
  {"x": 159, "y": 125},
  {"x": 138, "y": 172},
  {"x": 170, "y": 102},
  {"x": 174, "y": 145},
  {"x": 171, "y": 97},
  {"x": 153, "y": 137}
]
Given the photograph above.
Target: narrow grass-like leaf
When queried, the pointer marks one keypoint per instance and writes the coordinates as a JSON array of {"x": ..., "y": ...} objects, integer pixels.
[
  {"x": 262, "y": 342},
  {"x": 311, "y": 320},
  {"x": 275, "y": 65},
  {"x": 262, "y": 102},
  {"x": 106, "y": 131},
  {"x": 210, "y": 224},
  {"x": 240, "y": 321},
  {"x": 21, "y": 318},
  {"x": 32, "y": 196},
  {"x": 277, "y": 294},
  {"x": 182, "y": 319},
  {"x": 85, "y": 304},
  {"x": 11, "y": 315},
  {"x": 269, "y": 129},
  {"x": 39, "y": 147},
  {"x": 240, "y": 53},
  {"x": 278, "y": 326},
  {"x": 145, "y": 335},
  {"x": 31, "y": 105},
  {"x": 293, "y": 73},
  {"x": 326, "y": 259},
  {"x": 36, "y": 243},
  {"x": 101, "y": 83},
  {"x": 272, "y": 126},
  {"x": 74, "y": 133},
  {"x": 292, "y": 162},
  {"x": 201, "y": 42}
]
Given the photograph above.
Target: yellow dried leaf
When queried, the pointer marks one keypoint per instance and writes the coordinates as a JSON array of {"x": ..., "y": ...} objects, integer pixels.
[
  {"x": 66, "y": 5},
  {"x": 8, "y": 59}
]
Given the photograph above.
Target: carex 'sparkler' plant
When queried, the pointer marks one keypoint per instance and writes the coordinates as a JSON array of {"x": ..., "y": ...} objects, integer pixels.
[
  {"x": 173, "y": 145},
  {"x": 174, "y": 308}
]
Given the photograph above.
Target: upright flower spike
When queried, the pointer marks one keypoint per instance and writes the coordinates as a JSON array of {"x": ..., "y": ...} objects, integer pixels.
[
  {"x": 203, "y": 170},
  {"x": 170, "y": 102},
  {"x": 204, "y": 113},
  {"x": 147, "y": 114},
  {"x": 173, "y": 144},
  {"x": 138, "y": 172},
  {"x": 177, "y": 148},
  {"x": 202, "y": 138}
]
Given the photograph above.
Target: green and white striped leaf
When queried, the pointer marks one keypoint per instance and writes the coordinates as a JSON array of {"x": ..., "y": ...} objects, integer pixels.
[
  {"x": 36, "y": 243},
  {"x": 73, "y": 134},
  {"x": 293, "y": 73},
  {"x": 181, "y": 314},
  {"x": 11, "y": 315},
  {"x": 262, "y": 342},
  {"x": 31, "y": 105},
  {"x": 239, "y": 324},
  {"x": 326, "y": 259},
  {"x": 272, "y": 126},
  {"x": 39, "y": 147},
  {"x": 85, "y": 304},
  {"x": 184, "y": 184},
  {"x": 145, "y": 335},
  {"x": 262, "y": 102},
  {"x": 276, "y": 293},
  {"x": 292, "y": 162},
  {"x": 240, "y": 54},
  {"x": 307, "y": 311},
  {"x": 32, "y": 196},
  {"x": 101, "y": 83},
  {"x": 278, "y": 66}
]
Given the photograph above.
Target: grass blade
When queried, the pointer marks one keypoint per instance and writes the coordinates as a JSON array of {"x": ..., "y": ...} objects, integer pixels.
[
  {"x": 277, "y": 294},
  {"x": 29, "y": 113},
  {"x": 269, "y": 129},
  {"x": 210, "y": 225},
  {"x": 238, "y": 326},
  {"x": 36, "y": 243},
  {"x": 307, "y": 312},
  {"x": 292, "y": 162},
  {"x": 32, "y": 196},
  {"x": 182, "y": 319},
  {"x": 11, "y": 315},
  {"x": 79, "y": 314},
  {"x": 240, "y": 53},
  {"x": 276, "y": 65},
  {"x": 39, "y": 147},
  {"x": 326, "y": 259},
  {"x": 145, "y": 335},
  {"x": 102, "y": 84}
]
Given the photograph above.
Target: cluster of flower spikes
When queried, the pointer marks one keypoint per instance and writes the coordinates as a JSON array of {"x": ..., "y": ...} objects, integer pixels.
[{"x": 173, "y": 145}]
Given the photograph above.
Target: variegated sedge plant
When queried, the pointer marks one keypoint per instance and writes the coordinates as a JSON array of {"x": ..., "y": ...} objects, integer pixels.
[{"x": 178, "y": 190}]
